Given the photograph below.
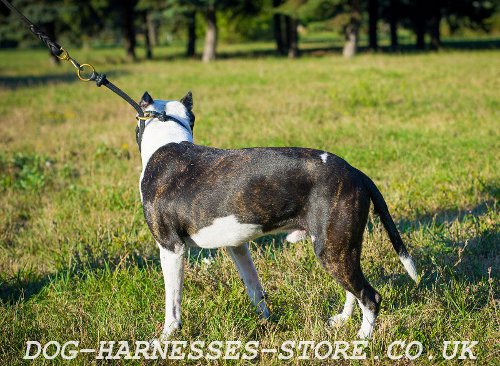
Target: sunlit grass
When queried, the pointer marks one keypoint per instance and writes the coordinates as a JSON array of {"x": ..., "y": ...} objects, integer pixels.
[{"x": 77, "y": 260}]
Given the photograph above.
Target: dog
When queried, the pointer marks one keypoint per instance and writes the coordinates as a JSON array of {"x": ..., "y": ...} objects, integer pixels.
[{"x": 205, "y": 197}]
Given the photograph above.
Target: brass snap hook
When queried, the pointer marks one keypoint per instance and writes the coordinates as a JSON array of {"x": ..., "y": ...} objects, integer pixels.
[{"x": 64, "y": 56}]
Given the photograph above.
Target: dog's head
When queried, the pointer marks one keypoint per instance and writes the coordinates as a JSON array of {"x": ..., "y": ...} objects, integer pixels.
[{"x": 181, "y": 110}]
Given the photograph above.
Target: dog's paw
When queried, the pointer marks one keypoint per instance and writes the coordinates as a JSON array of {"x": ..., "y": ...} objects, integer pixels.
[
  {"x": 167, "y": 332},
  {"x": 364, "y": 334},
  {"x": 338, "y": 320}
]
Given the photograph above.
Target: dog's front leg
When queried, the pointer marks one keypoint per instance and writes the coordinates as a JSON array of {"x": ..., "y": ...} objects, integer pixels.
[
  {"x": 172, "y": 265},
  {"x": 243, "y": 260}
]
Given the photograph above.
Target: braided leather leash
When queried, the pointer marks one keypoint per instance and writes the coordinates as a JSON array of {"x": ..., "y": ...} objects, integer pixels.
[{"x": 82, "y": 69}]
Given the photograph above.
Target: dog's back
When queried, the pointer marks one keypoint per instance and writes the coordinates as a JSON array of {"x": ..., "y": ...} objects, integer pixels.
[{"x": 190, "y": 186}]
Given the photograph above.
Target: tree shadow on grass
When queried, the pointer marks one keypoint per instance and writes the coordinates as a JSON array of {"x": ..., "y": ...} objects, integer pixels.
[
  {"x": 472, "y": 44},
  {"x": 443, "y": 216},
  {"x": 27, "y": 283},
  {"x": 449, "y": 266},
  {"x": 21, "y": 288},
  {"x": 332, "y": 48},
  {"x": 450, "y": 269},
  {"x": 468, "y": 260},
  {"x": 29, "y": 81}
]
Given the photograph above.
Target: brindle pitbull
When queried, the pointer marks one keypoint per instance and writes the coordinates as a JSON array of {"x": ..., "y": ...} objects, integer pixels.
[{"x": 206, "y": 197}]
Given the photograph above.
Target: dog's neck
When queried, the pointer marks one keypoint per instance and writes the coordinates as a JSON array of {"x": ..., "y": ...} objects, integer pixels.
[{"x": 158, "y": 133}]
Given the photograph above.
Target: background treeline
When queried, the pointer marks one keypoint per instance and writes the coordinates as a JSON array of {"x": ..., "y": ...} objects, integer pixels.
[{"x": 159, "y": 22}]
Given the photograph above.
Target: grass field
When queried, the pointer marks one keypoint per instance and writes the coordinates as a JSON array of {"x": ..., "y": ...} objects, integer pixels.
[{"x": 77, "y": 261}]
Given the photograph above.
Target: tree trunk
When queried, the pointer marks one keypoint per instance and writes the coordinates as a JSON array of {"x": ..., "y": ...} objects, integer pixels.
[
  {"x": 286, "y": 21},
  {"x": 372, "y": 27},
  {"x": 191, "y": 42},
  {"x": 393, "y": 24},
  {"x": 151, "y": 29},
  {"x": 420, "y": 24},
  {"x": 147, "y": 39},
  {"x": 278, "y": 31},
  {"x": 292, "y": 37},
  {"x": 351, "y": 39},
  {"x": 129, "y": 28},
  {"x": 435, "y": 20},
  {"x": 210, "y": 47},
  {"x": 278, "y": 34},
  {"x": 352, "y": 30}
]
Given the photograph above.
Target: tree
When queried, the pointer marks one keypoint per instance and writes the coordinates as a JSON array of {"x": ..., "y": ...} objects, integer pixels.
[
  {"x": 182, "y": 15},
  {"x": 373, "y": 10},
  {"x": 292, "y": 36},
  {"x": 419, "y": 20},
  {"x": 279, "y": 34},
  {"x": 434, "y": 24},
  {"x": 316, "y": 10},
  {"x": 45, "y": 14},
  {"x": 471, "y": 14},
  {"x": 393, "y": 24},
  {"x": 351, "y": 30},
  {"x": 191, "y": 33},
  {"x": 146, "y": 8},
  {"x": 427, "y": 16},
  {"x": 210, "y": 7},
  {"x": 291, "y": 11},
  {"x": 210, "y": 47},
  {"x": 127, "y": 9},
  {"x": 148, "y": 40}
]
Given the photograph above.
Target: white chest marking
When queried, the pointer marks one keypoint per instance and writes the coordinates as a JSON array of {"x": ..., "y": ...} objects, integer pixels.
[
  {"x": 225, "y": 232},
  {"x": 323, "y": 157}
]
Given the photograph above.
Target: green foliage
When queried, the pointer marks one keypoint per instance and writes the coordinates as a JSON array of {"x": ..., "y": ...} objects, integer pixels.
[
  {"x": 313, "y": 10},
  {"x": 100, "y": 21},
  {"x": 462, "y": 14},
  {"x": 24, "y": 171}
]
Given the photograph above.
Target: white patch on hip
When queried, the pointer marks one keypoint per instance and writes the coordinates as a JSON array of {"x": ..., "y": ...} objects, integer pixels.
[
  {"x": 224, "y": 232},
  {"x": 323, "y": 157},
  {"x": 296, "y": 236}
]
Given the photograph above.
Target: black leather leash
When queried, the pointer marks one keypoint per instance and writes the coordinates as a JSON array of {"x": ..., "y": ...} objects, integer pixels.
[{"x": 100, "y": 79}]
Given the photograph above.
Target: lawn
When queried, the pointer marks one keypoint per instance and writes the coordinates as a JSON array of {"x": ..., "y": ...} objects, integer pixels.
[{"x": 77, "y": 261}]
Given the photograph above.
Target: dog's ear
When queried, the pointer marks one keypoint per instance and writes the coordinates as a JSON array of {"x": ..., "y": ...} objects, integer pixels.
[
  {"x": 187, "y": 100},
  {"x": 146, "y": 100}
]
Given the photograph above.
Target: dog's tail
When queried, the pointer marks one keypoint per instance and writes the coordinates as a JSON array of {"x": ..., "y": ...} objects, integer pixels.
[{"x": 383, "y": 212}]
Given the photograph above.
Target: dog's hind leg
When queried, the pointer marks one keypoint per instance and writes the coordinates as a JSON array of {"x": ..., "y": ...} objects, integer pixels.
[
  {"x": 350, "y": 276},
  {"x": 172, "y": 265},
  {"x": 346, "y": 313},
  {"x": 246, "y": 269},
  {"x": 338, "y": 248}
]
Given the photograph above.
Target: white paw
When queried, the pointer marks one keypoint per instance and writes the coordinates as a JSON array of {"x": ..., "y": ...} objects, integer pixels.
[
  {"x": 168, "y": 331},
  {"x": 364, "y": 333},
  {"x": 337, "y": 320}
]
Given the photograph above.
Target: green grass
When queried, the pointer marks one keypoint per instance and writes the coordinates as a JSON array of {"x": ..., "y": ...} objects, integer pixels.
[{"x": 77, "y": 260}]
